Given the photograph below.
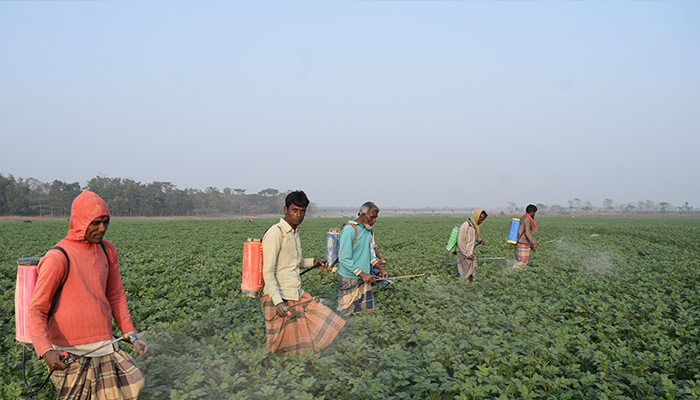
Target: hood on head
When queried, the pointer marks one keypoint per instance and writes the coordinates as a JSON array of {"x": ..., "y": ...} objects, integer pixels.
[
  {"x": 86, "y": 207},
  {"x": 476, "y": 213}
]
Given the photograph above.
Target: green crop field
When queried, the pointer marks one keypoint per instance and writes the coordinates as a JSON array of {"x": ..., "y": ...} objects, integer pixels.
[{"x": 609, "y": 316}]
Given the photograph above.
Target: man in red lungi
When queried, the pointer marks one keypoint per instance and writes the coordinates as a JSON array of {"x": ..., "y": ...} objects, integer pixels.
[
  {"x": 525, "y": 241},
  {"x": 295, "y": 322}
]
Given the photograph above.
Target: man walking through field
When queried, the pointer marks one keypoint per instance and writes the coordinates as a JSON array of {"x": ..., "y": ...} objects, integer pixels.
[
  {"x": 467, "y": 239},
  {"x": 295, "y": 322},
  {"x": 525, "y": 241},
  {"x": 79, "y": 319},
  {"x": 354, "y": 260}
]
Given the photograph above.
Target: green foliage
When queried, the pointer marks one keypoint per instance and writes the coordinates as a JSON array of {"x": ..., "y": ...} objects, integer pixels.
[
  {"x": 613, "y": 316},
  {"x": 127, "y": 197}
]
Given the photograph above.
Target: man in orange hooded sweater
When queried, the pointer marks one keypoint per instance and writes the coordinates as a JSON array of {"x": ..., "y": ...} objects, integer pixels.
[{"x": 82, "y": 319}]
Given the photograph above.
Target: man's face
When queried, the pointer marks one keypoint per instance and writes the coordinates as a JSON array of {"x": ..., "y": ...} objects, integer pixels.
[
  {"x": 294, "y": 214},
  {"x": 532, "y": 213},
  {"x": 371, "y": 218},
  {"x": 482, "y": 217},
  {"x": 96, "y": 230}
]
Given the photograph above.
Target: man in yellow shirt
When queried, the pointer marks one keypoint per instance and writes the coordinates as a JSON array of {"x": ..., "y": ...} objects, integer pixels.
[{"x": 295, "y": 322}]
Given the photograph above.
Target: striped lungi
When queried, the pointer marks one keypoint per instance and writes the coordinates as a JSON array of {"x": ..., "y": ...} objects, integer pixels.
[
  {"x": 311, "y": 327},
  {"x": 522, "y": 254},
  {"x": 114, "y": 376},
  {"x": 466, "y": 267},
  {"x": 354, "y": 295}
]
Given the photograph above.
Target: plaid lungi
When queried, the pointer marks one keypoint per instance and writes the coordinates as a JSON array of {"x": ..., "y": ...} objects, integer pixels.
[
  {"x": 111, "y": 377},
  {"x": 354, "y": 295},
  {"x": 522, "y": 254},
  {"x": 311, "y": 327}
]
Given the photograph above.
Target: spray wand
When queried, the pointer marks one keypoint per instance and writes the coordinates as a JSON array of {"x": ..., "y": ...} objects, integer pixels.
[
  {"x": 390, "y": 279},
  {"x": 68, "y": 358},
  {"x": 553, "y": 240}
]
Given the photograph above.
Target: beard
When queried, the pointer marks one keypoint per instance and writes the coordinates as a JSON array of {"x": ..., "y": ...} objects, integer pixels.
[{"x": 367, "y": 226}]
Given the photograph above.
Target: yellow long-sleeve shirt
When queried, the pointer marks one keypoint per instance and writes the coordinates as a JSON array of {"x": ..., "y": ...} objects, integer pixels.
[{"x": 282, "y": 262}]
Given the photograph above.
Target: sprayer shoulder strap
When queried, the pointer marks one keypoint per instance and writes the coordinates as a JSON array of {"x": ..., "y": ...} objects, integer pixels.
[
  {"x": 268, "y": 229},
  {"x": 52, "y": 309},
  {"x": 60, "y": 287},
  {"x": 354, "y": 226},
  {"x": 521, "y": 235}
]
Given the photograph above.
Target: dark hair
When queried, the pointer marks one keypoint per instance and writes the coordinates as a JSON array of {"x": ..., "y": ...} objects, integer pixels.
[
  {"x": 298, "y": 198},
  {"x": 484, "y": 213},
  {"x": 530, "y": 208}
]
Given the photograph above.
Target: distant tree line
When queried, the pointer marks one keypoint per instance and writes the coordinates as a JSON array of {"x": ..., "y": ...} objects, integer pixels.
[
  {"x": 126, "y": 197},
  {"x": 575, "y": 205}
]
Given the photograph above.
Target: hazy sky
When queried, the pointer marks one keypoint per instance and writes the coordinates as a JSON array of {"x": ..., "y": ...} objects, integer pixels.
[{"x": 416, "y": 103}]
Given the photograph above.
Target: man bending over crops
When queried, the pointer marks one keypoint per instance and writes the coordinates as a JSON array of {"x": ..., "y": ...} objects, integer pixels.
[
  {"x": 525, "y": 242},
  {"x": 295, "y": 322},
  {"x": 467, "y": 239},
  {"x": 79, "y": 319},
  {"x": 354, "y": 257}
]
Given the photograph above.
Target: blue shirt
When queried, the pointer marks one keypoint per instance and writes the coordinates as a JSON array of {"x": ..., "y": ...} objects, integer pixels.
[{"x": 353, "y": 258}]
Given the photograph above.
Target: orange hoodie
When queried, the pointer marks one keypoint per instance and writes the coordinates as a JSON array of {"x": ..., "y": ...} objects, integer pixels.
[{"x": 93, "y": 292}]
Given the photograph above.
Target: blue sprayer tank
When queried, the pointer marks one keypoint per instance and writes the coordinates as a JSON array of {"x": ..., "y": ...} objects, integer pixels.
[
  {"x": 332, "y": 245},
  {"x": 513, "y": 232}
]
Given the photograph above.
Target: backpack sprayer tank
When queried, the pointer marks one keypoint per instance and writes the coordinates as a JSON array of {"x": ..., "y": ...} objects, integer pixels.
[
  {"x": 452, "y": 242},
  {"x": 513, "y": 232},
  {"x": 26, "y": 280},
  {"x": 332, "y": 245},
  {"x": 252, "y": 279}
]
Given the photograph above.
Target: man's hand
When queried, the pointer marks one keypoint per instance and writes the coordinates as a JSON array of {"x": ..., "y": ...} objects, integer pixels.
[
  {"x": 281, "y": 310},
  {"x": 321, "y": 263},
  {"x": 140, "y": 346},
  {"x": 534, "y": 246},
  {"x": 471, "y": 256},
  {"x": 53, "y": 360},
  {"x": 382, "y": 273},
  {"x": 482, "y": 242},
  {"x": 367, "y": 277}
]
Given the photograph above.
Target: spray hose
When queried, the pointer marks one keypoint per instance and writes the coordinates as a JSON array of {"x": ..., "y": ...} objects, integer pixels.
[{"x": 69, "y": 359}]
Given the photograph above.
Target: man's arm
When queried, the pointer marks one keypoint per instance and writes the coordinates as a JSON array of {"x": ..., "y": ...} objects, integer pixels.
[
  {"x": 272, "y": 244},
  {"x": 117, "y": 298},
  {"x": 466, "y": 240},
  {"x": 345, "y": 248},
  {"x": 115, "y": 290},
  {"x": 51, "y": 272},
  {"x": 528, "y": 232}
]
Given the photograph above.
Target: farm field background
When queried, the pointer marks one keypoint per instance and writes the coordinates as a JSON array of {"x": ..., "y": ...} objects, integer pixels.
[{"x": 610, "y": 316}]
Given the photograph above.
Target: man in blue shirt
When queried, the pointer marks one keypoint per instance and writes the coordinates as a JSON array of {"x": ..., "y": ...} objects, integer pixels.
[{"x": 354, "y": 256}]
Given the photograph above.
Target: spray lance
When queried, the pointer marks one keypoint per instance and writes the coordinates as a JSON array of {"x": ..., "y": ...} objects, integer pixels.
[
  {"x": 287, "y": 308},
  {"x": 392, "y": 278},
  {"x": 68, "y": 358},
  {"x": 311, "y": 268}
]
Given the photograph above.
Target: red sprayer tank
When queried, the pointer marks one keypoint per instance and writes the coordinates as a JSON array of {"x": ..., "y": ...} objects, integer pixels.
[
  {"x": 26, "y": 280},
  {"x": 252, "y": 279}
]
